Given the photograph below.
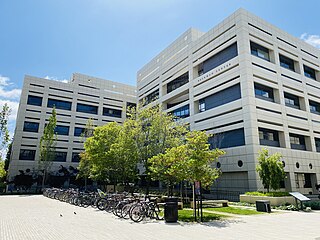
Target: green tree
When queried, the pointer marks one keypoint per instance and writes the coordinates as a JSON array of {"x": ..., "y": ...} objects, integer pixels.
[
  {"x": 4, "y": 132},
  {"x": 110, "y": 154},
  {"x": 97, "y": 149},
  {"x": 191, "y": 161},
  {"x": 4, "y": 138},
  {"x": 8, "y": 156},
  {"x": 2, "y": 171},
  {"x": 47, "y": 146},
  {"x": 270, "y": 169},
  {"x": 155, "y": 131}
]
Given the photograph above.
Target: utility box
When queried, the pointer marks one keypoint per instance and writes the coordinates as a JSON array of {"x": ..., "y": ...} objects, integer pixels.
[{"x": 263, "y": 206}]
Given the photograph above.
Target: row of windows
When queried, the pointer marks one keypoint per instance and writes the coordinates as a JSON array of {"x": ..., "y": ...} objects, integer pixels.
[
  {"x": 85, "y": 108},
  {"x": 29, "y": 155},
  {"x": 267, "y": 93},
  {"x": 270, "y": 137},
  {"x": 264, "y": 53},
  {"x": 59, "y": 130}
]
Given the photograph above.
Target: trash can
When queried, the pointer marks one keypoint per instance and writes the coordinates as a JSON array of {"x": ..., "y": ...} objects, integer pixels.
[
  {"x": 171, "y": 210},
  {"x": 263, "y": 206}
]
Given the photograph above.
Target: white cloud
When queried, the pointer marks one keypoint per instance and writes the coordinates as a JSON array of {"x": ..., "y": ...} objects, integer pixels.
[
  {"x": 313, "y": 40},
  {"x": 56, "y": 79},
  {"x": 6, "y": 93},
  {"x": 10, "y": 94},
  {"x": 4, "y": 81}
]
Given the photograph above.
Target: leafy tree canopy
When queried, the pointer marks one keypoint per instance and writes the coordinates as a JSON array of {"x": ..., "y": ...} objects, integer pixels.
[{"x": 270, "y": 169}]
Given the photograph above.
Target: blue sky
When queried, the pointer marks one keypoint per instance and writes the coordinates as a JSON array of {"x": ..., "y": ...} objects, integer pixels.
[{"x": 113, "y": 39}]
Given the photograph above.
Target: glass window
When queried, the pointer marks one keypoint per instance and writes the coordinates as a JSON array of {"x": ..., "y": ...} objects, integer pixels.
[
  {"x": 85, "y": 108},
  {"x": 202, "y": 105},
  {"x": 218, "y": 59},
  {"x": 30, "y": 127},
  {"x": 26, "y": 154},
  {"x": 317, "y": 141},
  {"x": 62, "y": 130},
  {"x": 263, "y": 92},
  {"x": 232, "y": 138},
  {"x": 75, "y": 157},
  {"x": 78, "y": 131},
  {"x": 259, "y": 51},
  {"x": 286, "y": 62},
  {"x": 314, "y": 107},
  {"x": 269, "y": 137},
  {"x": 291, "y": 100},
  {"x": 34, "y": 100},
  {"x": 181, "y": 112},
  {"x": 60, "y": 156},
  {"x": 151, "y": 97},
  {"x": 297, "y": 141},
  {"x": 59, "y": 104},
  {"x": 309, "y": 72},
  {"x": 112, "y": 112},
  {"x": 178, "y": 82}
]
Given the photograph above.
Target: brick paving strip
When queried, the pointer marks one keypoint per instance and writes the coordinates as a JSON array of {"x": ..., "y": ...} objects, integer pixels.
[{"x": 34, "y": 217}]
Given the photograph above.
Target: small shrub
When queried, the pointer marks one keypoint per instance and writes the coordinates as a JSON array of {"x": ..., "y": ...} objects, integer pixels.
[
  {"x": 313, "y": 205},
  {"x": 268, "y": 194}
]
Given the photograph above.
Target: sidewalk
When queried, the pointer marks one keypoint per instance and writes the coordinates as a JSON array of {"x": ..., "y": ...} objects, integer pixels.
[{"x": 38, "y": 218}]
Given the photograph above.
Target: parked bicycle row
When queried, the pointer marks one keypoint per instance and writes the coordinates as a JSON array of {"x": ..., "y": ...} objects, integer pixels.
[{"x": 123, "y": 205}]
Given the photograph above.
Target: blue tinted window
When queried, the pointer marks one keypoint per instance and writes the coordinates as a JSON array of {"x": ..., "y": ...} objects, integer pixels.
[
  {"x": 309, "y": 72},
  {"x": 220, "y": 98},
  {"x": 182, "y": 112},
  {"x": 218, "y": 59},
  {"x": 75, "y": 157},
  {"x": 62, "y": 130},
  {"x": 60, "y": 157},
  {"x": 87, "y": 108},
  {"x": 112, "y": 112},
  {"x": 27, "y": 154},
  {"x": 78, "y": 131},
  {"x": 228, "y": 139},
  {"x": 259, "y": 51},
  {"x": 34, "y": 100},
  {"x": 263, "y": 92},
  {"x": 59, "y": 104},
  {"x": 30, "y": 127}
]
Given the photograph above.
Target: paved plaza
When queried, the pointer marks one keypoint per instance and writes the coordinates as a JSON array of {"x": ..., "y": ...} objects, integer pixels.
[{"x": 36, "y": 217}]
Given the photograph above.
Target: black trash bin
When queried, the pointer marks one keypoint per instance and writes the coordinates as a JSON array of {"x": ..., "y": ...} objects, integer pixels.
[
  {"x": 263, "y": 206},
  {"x": 171, "y": 210}
]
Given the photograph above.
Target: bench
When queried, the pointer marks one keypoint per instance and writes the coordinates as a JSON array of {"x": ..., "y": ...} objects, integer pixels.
[{"x": 213, "y": 203}]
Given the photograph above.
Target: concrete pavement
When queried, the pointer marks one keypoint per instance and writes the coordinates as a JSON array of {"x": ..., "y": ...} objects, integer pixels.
[{"x": 35, "y": 217}]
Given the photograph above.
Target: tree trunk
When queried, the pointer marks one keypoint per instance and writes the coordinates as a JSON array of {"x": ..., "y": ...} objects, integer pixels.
[
  {"x": 43, "y": 179},
  {"x": 85, "y": 183}
]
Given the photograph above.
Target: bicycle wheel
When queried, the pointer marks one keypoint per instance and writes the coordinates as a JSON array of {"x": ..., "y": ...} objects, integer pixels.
[
  {"x": 101, "y": 204},
  {"x": 125, "y": 211},
  {"x": 137, "y": 213}
]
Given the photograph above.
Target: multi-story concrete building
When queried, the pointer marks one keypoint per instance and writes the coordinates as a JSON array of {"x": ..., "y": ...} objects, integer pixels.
[
  {"x": 76, "y": 101},
  {"x": 253, "y": 86}
]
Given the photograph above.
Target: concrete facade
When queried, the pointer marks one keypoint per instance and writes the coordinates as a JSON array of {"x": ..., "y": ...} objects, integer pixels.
[
  {"x": 81, "y": 89},
  {"x": 279, "y": 77}
]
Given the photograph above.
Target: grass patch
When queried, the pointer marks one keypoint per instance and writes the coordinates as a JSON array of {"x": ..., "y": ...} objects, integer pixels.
[
  {"x": 186, "y": 215},
  {"x": 268, "y": 194},
  {"x": 234, "y": 210}
]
